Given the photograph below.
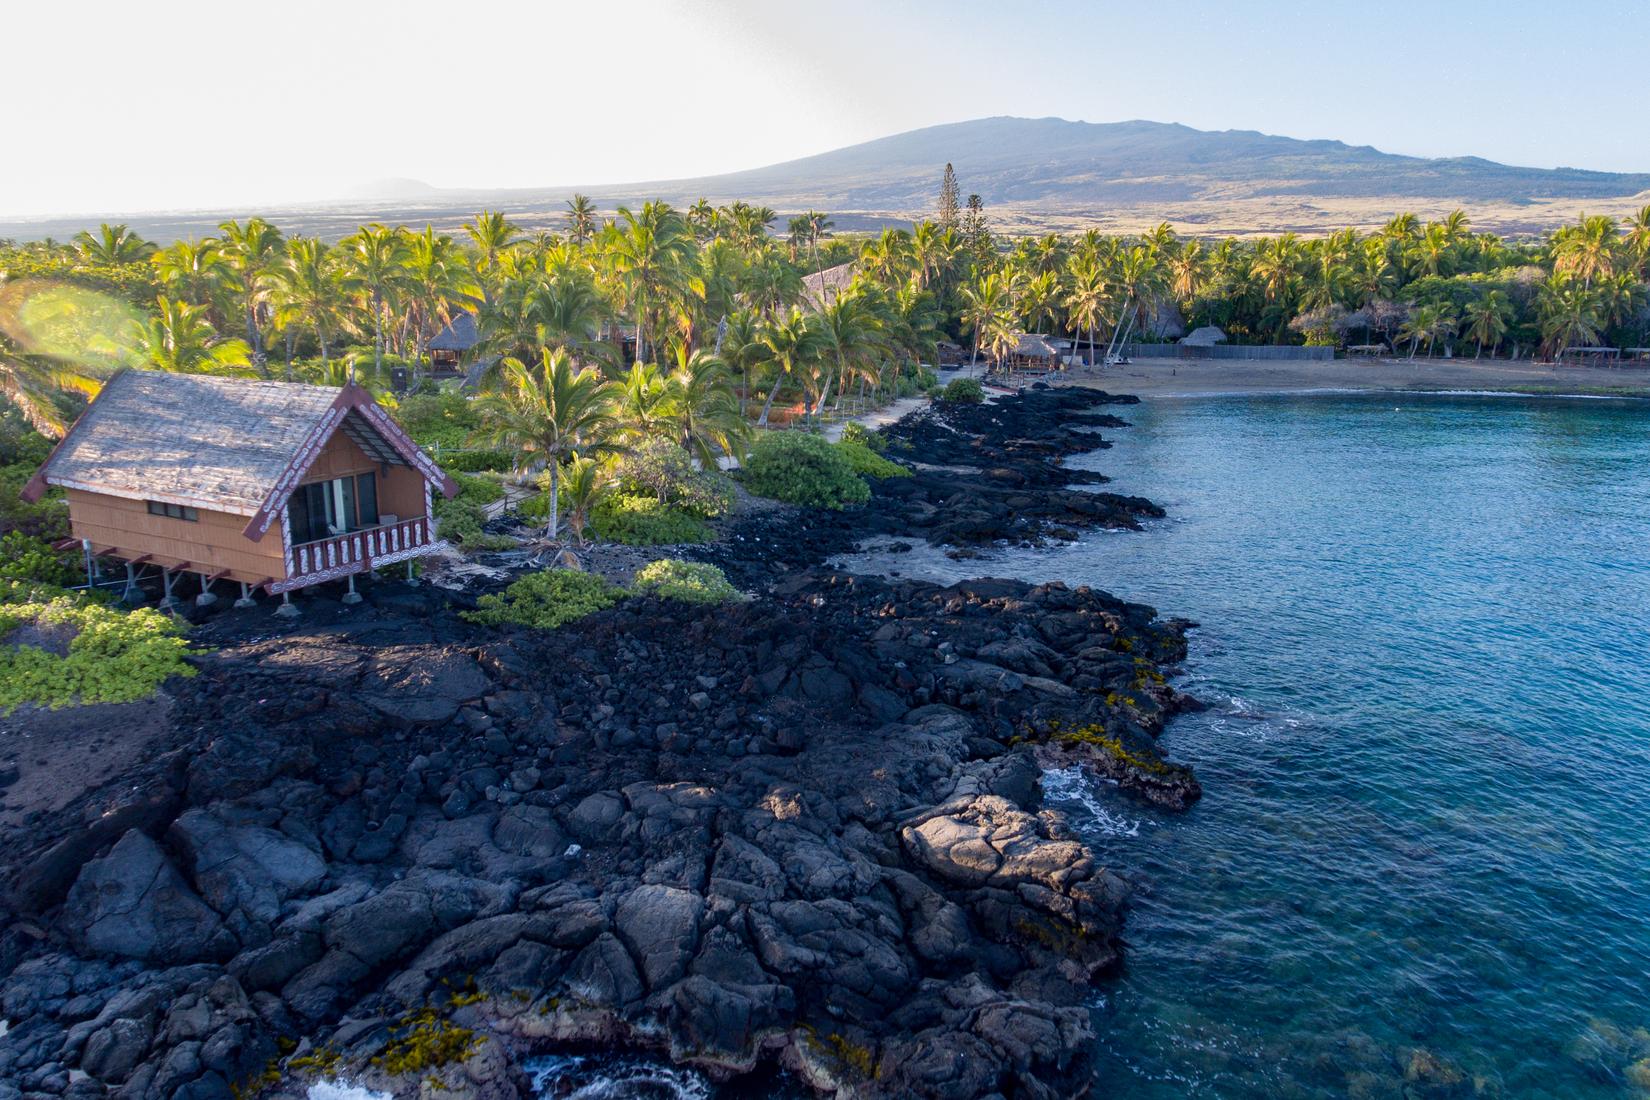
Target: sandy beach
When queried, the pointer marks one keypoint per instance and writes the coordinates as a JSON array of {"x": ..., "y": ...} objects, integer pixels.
[{"x": 1195, "y": 378}]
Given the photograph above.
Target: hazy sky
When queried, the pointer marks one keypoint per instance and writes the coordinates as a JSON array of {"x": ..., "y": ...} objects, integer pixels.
[{"x": 176, "y": 104}]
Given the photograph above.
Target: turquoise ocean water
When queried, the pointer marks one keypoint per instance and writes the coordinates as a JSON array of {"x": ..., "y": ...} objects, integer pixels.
[{"x": 1424, "y": 846}]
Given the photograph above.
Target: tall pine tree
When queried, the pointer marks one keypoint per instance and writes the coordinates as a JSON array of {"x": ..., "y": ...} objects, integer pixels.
[
  {"x": 948, "y": 199},
  {"x": 976, "y": 234}
]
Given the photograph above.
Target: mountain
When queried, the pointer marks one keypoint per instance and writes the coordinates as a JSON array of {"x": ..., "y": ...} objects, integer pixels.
[
  {"x": 1034, "y": 175},
  {"x": 1057, "y": 164}
]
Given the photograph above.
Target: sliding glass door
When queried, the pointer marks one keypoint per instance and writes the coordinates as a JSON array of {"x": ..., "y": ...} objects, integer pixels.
[{"x": 325, "y": 508}]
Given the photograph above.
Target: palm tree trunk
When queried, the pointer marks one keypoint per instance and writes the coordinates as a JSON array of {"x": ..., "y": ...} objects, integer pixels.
[
  {"x": 768, "y": 405},
  {"x": 290, "y": 338},
  {"x": 377, "y": 334},
  {"x": 252, "y": 341},
  {"x": 555, "y": 499}
]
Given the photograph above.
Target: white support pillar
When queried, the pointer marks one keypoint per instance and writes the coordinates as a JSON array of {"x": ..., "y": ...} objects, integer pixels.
[
  {"x": 132, "y": 594},
  {"x": 246, "y": 597},
  {"x": 352, "y": 596},
  {"x": 168, "y": 602},
  {"x": 205, "y": 599},
  {"x": 412, "y": 578},
  {"x": 288, "y": 609}
]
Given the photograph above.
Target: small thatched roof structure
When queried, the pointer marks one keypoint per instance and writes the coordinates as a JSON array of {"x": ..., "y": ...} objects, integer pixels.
[
  {"x": 460, "y": 335},
  {"x": 1206, "y": 337},
  {"x": 822, "y": 287},
  {"x": 237, "y": 445},
  {"x": 1032, "y": 345}
]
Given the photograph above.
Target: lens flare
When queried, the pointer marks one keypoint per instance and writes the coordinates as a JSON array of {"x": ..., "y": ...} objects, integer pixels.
[{"x": 72, "y": 324}]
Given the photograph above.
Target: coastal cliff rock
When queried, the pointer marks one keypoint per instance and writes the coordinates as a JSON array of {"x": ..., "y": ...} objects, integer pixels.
[{"x": 801, "y": 830}]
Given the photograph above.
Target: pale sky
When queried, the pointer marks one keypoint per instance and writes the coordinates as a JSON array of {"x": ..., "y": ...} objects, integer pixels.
[{"x": 178, "y": 104}]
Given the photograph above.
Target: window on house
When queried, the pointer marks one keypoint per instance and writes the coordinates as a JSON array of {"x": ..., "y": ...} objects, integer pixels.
[
  {"x": 322, "y": 509},
  {"x": 173, "y": 511}
]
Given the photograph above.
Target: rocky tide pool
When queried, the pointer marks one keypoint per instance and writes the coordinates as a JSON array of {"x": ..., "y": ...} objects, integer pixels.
[{"x": 1419, "y": 867}]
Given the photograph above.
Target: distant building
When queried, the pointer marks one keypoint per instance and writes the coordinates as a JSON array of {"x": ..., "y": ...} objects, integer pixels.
[
  {"x": 451, "y": 349},
  {"x": 268, "y": 484},
  {"x": 822, "y": 288}
]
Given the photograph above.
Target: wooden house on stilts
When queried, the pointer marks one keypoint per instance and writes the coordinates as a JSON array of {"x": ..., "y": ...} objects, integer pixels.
[{"x": 266, "y": 484}]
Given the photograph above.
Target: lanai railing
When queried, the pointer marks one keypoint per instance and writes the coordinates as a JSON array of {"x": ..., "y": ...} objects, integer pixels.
[{"x": 361, "y": 549}]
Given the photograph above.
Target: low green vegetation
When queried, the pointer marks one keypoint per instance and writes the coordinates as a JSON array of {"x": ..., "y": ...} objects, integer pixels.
[
  {"x": 964, "y": 391},
  {"x": 687, "y": 581},
  {"x": 460, "y": 519},
  {"x": 801, "y": 468},
  {"x": 642, "y": 521},
  {"x": 867, "y": 463},
  {"x": 546, "y": 600},
  {"x": 57, "y": 649},
  {"x": 855, "y": 432}
]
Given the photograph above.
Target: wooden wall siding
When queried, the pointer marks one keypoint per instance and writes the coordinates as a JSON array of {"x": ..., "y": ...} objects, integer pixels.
[{"x": 211, "y": 544}]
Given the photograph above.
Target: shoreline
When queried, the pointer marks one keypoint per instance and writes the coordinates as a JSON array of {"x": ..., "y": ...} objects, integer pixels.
[
  {"x": 1175, "y": 378},
  {"x": 803, "y": 831}
]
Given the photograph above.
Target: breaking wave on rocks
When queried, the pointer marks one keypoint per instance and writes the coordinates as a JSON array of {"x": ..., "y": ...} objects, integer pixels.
[{"x": 613, "y": 1077}]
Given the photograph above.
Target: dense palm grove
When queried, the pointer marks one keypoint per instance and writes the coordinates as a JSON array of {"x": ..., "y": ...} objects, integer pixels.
[{"x": 688, "y": 326}]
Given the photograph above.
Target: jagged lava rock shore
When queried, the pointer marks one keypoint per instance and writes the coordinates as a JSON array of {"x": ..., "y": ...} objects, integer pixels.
[{"x": 804, "y": 830}]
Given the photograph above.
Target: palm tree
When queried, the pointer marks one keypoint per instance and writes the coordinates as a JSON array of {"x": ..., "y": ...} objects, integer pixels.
[
  {"x": 374, "y": 270},
  {"x": 848, "y": 336},
  {"x": 1086, "y": 298},
  {"x": 195, "y": 271},
  {"x": 30, "y": 382},
  {"x": 113, "y": 244},
  {"x": 819, "y": 226},
  {"x": 985, "y": 301},
  {"x": 1430, "y": 323},
  {"x": 701, "y": 408},
  {"x": 584, "y": 485},
  {"x": 639, "y": 400},
  {"x": 306, "y": 293},
  {"x": 436, "y": 282},
  {"x": 178, "y": 338},
  {"x": 581, "y": 219},
  {"x": 646, "y": 252},
  {"x": 1637, "y": 239},
  {"x": 792, "y": 346},
  {"x": 742, "y": 348},
  {"x": 553, "y": 411},
  {"x": 1487, "y": 320},
  {"x": 1570, "y": 315},
  {"x": 493, "y": 235},
  {"x": 250, "y": 251},
  {"x": 1587, "y": 250}
]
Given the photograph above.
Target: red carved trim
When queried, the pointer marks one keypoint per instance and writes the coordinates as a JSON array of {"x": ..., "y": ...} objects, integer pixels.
[{"x": 351, "y": 398}]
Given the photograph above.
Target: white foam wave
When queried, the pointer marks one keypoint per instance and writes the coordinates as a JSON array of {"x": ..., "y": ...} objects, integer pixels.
[
  {"x": 343, "y": 1090},
  {"x": 606, "y": 1077},
  {"x": 1074, "y": 784}
]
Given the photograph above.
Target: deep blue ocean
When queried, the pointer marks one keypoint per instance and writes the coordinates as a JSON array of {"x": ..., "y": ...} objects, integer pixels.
[{"x": 1422, "y": 859}]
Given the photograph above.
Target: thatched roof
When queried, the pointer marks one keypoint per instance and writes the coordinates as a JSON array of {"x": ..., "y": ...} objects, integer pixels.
[
  {"x": 235, "y": 445},
  {"x": 822, "y": 287},
  {"x": 1206, "y": 337},
  {"x": 1034, "y": 346},
  {"x": 460, "y": 335}
]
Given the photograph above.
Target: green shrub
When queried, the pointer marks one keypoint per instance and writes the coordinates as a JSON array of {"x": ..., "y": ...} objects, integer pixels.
[
  {"x": 639, "y": 520},
  {"x": 26, "y": 558},
  {"x": 438, "y": 419},
  {"x": 867, "y": 463},
  {"x": 546, "y": 600},
  {"x": 113, "y": 656},
  {"x": 688, "y": 581},
  {"x": 803, "y": 469},
  {"x": 460, "y": 519},
  {"x": 474, "y": 461},
  {"x": 47, "y": 518},
  {"x": 966, "y": 391},
  {"x": 855, "y": 432},
  {"x": 663, "y": 470}
]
